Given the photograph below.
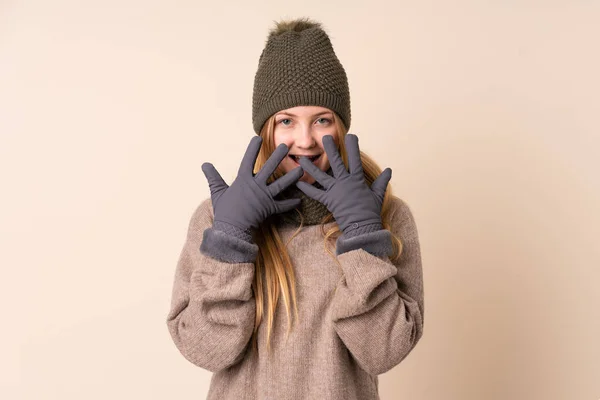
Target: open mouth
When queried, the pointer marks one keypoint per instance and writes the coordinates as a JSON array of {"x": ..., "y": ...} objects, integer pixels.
[{"x": 313, "y": 159}]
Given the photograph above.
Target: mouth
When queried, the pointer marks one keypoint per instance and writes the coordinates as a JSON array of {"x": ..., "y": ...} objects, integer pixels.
[{"x": 314, "y": 159}]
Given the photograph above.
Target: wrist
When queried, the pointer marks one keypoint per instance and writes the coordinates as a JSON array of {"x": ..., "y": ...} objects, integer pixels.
[
  {"x": 359, "y": 228},
  {"x": 378, "y": 243},
  {"x": 233, "y": 230},
  {"x": 227, "y": 248}
]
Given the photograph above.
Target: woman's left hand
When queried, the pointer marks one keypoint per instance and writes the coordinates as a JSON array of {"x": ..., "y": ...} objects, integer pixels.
[{"x": 347, "y": 196}]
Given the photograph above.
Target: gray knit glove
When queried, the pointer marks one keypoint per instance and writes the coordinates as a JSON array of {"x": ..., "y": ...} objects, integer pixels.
[
  {"x": 240, "y": 208},
  {"x": 355, "y": 206}
]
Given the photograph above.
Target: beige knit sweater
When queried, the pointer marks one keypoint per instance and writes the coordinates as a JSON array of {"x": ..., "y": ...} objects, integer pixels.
[{"x": 340, "y": 343}]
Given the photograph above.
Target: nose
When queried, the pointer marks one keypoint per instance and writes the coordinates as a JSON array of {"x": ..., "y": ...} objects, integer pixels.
[{"x": 305, "y": 138}]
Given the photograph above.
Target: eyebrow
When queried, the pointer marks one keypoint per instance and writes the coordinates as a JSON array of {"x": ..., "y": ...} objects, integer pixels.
[{"x": 315, "y": 115}]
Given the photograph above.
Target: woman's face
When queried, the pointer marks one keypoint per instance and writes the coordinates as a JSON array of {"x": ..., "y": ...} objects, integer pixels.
[{"x": 302, "y": 129}]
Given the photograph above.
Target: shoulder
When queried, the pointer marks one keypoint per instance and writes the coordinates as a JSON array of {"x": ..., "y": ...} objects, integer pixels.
[
  {"x": 205, "y": 207},
  {"x": 402, "y": 220},
  {"x": 202, "y": 217}
]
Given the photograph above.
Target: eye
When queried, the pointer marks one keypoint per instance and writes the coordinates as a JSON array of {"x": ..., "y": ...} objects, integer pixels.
[
  {"x": 326, "y": 119},
  {"x": 284, "y": 119}
]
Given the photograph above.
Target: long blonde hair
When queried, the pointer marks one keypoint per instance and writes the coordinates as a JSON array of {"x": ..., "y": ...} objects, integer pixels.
[{"x": 273, "y": 258}]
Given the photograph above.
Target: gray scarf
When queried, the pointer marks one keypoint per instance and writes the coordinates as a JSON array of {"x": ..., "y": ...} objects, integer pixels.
[{"x": 312, "y": 210}]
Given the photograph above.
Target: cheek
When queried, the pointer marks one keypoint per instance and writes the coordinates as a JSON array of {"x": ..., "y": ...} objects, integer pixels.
[
  {"x": 280, "y": 136},
  {"x": 277, "y": 142},
  {"x": 287, "y": 164},
  {"x": 332, "y": 133}
]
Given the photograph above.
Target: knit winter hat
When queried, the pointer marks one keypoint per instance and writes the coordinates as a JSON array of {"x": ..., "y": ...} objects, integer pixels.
[{"x": 298, "y": 66}]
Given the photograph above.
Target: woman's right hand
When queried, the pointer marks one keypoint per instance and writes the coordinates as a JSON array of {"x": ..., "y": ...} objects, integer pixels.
[{"x": 249, "y": 200}]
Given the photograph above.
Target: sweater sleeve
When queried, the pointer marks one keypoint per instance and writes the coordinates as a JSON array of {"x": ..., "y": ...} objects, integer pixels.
[
  {"x": 378, "y": 307},
  {"x": 212, "y": 312}
]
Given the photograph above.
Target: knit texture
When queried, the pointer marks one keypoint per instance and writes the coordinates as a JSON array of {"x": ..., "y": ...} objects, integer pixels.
[
  {"x": 244, "y": 234},
  {"x": 313, "y": 211},
  {"x": 298, "y": 66},
  {"x": 354, "y": 324}
]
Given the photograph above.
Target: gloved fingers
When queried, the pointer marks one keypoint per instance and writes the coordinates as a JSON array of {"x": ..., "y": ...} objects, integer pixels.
[
  {"x": 354, "y": 162},
  {"x": 287, "y": 204},
  {"x": 247, "y": 166},
  {"x": 311, "y": 191},
  {"x": 380, "y": 184},
  {"x": 335, "y": 160},
  {"x": 215, "y": 181},
  {"x": 271, "y": 164},
  {"x": 320, "y": 176},
  {"x": 286, "y": 180}
]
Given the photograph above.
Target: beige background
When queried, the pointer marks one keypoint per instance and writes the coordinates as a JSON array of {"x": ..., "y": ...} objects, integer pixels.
[{"x": 486, "y": 111}]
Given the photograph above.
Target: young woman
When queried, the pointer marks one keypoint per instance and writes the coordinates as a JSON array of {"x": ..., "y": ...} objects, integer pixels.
[{"x": 302, "y": 279}]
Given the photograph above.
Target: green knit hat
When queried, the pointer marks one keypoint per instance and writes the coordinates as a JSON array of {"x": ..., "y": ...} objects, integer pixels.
[{"x": 298, "y": 66}]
